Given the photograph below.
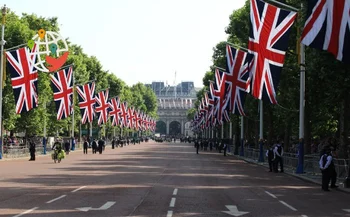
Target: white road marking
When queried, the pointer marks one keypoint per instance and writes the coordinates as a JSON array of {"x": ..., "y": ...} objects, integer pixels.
[
  {"x": 78, "y": 189},
  {"x": 175, "y": 191},
  {"x": 346, "y": 210},
  {"x": 26, "y": 212},
  {"x": 272, "y": 195},
  {"x": 287, "y": 205},
  {"x": 303, "y": 215},
  {"x": 57, "y": 198},
  {"x": 170, "y": 214},
  {"x": 172, "y": 202}
]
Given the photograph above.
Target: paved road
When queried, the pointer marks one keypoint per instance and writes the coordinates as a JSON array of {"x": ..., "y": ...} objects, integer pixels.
[{"x": 158, "y": 179}]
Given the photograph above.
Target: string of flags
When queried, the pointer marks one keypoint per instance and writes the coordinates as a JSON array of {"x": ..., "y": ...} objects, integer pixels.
[
  {"x": 257, "y": 70},
  {"x": 47, "y": 52}
]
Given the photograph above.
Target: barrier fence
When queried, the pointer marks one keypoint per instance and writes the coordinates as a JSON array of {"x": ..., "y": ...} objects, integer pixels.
[{"x": 311, "y": 162}]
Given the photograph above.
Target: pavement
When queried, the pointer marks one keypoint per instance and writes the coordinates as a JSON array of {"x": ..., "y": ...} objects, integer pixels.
[
  {"x": 309, "y": 177},
  {"x": 158, "y": 179}
]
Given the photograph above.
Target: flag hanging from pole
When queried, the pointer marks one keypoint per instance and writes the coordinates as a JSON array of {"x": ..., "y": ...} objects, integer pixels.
[
  {"x": 102, "y": 106},
  {"x": 268, "y": 42},
  {"x": 114, "y": 111},
  {"x": 328, "y": 27},
  {"x": 86, "y": 101},
  {"x": 62, "y": 86},
  {"x": 238, "y": 67},
  {"x": 24, "y": 78},
  {"x": 124, "y": 114}
]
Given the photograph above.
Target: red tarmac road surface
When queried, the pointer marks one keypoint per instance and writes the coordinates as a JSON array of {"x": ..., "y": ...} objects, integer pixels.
[{"x": 158, "y": 179}]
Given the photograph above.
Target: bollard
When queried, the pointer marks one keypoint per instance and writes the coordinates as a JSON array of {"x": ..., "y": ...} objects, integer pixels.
[{"x": 44, "y": 145}]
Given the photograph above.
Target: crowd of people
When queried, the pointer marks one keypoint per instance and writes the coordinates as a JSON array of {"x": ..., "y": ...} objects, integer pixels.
[{"x": 217, "y": 144}]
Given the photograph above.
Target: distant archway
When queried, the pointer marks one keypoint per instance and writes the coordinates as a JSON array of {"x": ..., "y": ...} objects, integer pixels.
[
  {"x": 161, "y": 127},
  {"x": 174, "y": 128}
]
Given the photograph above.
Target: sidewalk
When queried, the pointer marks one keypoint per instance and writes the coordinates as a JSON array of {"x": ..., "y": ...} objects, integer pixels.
[{"x": 313, "y": 178}]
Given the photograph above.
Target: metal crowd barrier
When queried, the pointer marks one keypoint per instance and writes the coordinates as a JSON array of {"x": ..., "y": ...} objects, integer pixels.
[{"x": 311, "y": 162}]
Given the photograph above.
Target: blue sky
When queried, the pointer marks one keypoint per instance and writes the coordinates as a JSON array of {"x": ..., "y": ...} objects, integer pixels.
[{"x": 142, "y": 40}]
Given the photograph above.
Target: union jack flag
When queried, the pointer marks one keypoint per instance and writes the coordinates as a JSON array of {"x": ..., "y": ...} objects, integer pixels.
[
  {"x": 131, "y": 117},
  {"x": 210, "y": 104},
  {"x": 24, "y": 78},
  {"x": 328, "y": 27},
  {"x": 86, "y": 101},
  {"x": 268, "y": 41},
  {"x": 238, "y": 65},
  {"x": 213, "y": 102},
  {"x": 137, "y": 119},
  {"x": 62, "y": 85},
  {"x": 124, "y": 114},
  {"x": 114, "y": 111},
  {"x": 102, "y": 106},
  {"x": 221, "y": 93}
]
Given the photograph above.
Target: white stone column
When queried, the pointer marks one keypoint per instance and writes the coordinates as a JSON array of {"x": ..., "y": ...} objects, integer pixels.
[
  {"x": 167, "y": 127},
  {"x": 182, "y": 127}
]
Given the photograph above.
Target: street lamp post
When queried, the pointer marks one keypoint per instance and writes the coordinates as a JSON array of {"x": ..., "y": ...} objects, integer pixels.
[{"x": 2, "y": 43}]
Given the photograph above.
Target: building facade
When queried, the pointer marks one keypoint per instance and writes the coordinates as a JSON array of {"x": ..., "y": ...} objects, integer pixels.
[{"x": 173, "y": 103}]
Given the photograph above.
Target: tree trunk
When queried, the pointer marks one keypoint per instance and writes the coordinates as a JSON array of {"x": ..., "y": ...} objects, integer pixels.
[{"x": 287, "y": 132}]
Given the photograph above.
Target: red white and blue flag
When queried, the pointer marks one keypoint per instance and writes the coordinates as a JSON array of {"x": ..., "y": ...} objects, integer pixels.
[
  {"x": 124, "y": 115},
  {"x": 114, "y": 111},
  {"x": 221, "y": 93},
  {"x": 137, "y": 119},
  {"x": 62, "y": 85},
  {"x": 328, "y": 27},
  {"x": 268, "y": 41},
  {"x": 24, "y": 78},
  {"x": 131, "y": 117},
  {"x": 238, "y": 67},
  {"x": 86, "y": 94},
  {"x": 102, "y": 106}
]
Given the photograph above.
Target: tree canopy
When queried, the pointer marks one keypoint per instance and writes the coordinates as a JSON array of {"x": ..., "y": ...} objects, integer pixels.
[
  {"x": 326, "y": 97},
  {"x": 20, "y": 29}
]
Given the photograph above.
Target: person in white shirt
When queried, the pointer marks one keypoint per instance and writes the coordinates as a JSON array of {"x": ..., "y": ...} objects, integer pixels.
[{"x": 328, "y": 169}]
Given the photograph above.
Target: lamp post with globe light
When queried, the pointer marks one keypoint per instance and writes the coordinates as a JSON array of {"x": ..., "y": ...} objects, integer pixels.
[{"x": 2, "y": 43}]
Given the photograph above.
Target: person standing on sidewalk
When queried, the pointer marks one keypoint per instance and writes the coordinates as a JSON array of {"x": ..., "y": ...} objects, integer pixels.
[
  {"x": 196, "y": 144},
  {"x": 328, "y": 169},
  {"x": 278, "y": 155},
  {"x": 270, "y": 155},
  {"x": 225, "y": 142},
  {"x": 85, "y": 146},
  {"x": 32, "y": 150}
]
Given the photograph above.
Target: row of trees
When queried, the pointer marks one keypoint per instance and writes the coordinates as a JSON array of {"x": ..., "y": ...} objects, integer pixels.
[
  {"x": 18, "y": 30},
  {"x": 327, "y": 101}
]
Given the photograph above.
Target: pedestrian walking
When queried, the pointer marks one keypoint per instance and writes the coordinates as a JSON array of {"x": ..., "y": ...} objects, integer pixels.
[
  {"x": 225, "y": 146},
  {"x": 85, "y": 146},
  {"x": 67, "y": 146},
  {"x": 94, "y": 146},
  {"x": 101, "y": 144},
  {"x": 196, "y": 144},
  {"x": 113, "y": 143},
  {"x": 32, "y": 150}
]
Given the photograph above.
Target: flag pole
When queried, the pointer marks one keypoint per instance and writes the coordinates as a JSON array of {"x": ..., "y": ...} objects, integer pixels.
[
  {"x": 261, "y": 132},
  {"x": 237, "y": 46},
  {"x": 2, "y": 42},
  {"x": 283, "y": 5},
  {"x": 44, "y": 138},
  {"x": 72, "y": 136},
  {"x": 300, "y": 167},
  {"x": 241, "y": 153}
]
